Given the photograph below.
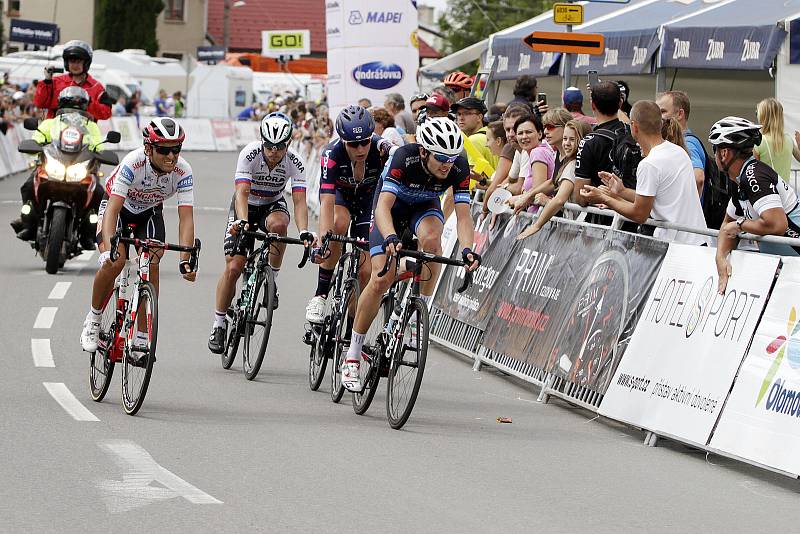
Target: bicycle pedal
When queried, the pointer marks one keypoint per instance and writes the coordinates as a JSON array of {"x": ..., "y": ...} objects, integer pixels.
[{"x": 308, "y": 337}]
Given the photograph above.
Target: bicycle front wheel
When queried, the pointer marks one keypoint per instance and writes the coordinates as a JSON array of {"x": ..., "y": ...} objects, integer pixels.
[
  {"x": 258, "y": 323},
  {"x": 407, "y": 364},
  {"x": 101, "y": 363},
  {"x": 232, "y": 343},
  {"x": 139, "y": 357},
  {"x": 374, "y": 348},
  {"x": 342, "y": 336}
]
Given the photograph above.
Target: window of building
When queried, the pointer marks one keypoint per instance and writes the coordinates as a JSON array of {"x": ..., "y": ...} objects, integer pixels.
[
  {"x": 174, "y": 10},
  {"x": 173, "y": 55},
  {"x": 13, "y": 8}
]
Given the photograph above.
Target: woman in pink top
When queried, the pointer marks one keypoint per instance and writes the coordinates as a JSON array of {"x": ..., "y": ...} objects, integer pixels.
[{"x": 538, "y": 173}]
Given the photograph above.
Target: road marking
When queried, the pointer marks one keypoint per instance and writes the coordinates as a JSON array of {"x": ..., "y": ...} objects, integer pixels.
[
  {"x": 139, "y": 470},
  {"x": 59, "y": 290},
  {"x": 42, "y": 355},
  {"x": 45, "y": 318},
  {"x": 67, "y": 400}
]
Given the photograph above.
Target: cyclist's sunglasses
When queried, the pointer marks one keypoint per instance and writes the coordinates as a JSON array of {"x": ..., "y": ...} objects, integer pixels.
[
  {"x": 363, "y": 142},
  {"x": 279, "y": 146},
  {"x": 441, "y": 158},
  {"x": 164, "y": 150}
]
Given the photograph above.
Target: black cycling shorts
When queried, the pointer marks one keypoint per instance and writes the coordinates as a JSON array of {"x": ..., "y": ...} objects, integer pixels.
[
  {"x": 148, "y": 224},
  {"x": 256, "y": 218},
  {"x": 406, "y": 217},
  {"x": 359, "y": 203}
]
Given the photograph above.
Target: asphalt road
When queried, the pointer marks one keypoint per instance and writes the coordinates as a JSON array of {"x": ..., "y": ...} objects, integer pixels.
[{"x": 210, "y": 451}]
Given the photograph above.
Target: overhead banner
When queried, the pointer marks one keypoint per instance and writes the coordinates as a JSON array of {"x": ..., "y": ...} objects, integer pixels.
[
  {"x": 688, "y": 343},
  {"x": 33, "y": 32},
  {"x": 737, "y": 48},
  {"x": 761, "y": 420},
  {"x": 511, "y": 58},
  {"x": 629, "y": 52}
]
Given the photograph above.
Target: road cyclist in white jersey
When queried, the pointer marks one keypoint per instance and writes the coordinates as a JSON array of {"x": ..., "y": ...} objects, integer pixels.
[
  {"x": 134, "y": 196},
  {"x": 263, "y": 170}
]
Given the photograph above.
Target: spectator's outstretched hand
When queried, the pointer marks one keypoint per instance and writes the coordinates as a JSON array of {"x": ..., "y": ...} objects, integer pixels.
[
  {"x": 593, "y": 195},
  {"x": 724, "y": 270},
  {"x": 612, "y": 182}
]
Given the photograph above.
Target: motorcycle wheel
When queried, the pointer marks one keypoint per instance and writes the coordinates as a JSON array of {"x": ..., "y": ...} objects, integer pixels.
[{"x": 55, "y": 241}]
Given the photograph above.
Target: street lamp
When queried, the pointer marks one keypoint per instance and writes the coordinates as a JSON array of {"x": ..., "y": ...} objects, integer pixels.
[{"x": 226, "y": 7}]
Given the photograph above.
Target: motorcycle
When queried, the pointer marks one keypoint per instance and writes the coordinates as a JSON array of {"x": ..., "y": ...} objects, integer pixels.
[{"x": 65, "y": 177}]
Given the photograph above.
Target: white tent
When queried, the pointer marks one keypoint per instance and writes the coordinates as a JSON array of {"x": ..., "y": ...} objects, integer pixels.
[{"x": 219, "y": 91}]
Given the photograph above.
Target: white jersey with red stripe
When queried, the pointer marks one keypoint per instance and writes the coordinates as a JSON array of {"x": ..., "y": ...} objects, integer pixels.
[
  {"x": 135, "y": 180},
  {"x": 267, "y": 185}
]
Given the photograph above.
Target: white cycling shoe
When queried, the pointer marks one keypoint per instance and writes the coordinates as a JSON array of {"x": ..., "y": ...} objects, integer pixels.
[
  {"x": 90, "y": 335},
  {"x": 315, "y": 311},
  {"x": 351, "y": 378}
]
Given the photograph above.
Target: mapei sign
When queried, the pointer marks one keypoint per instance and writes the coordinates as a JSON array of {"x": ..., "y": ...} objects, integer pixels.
[{"x": 357, "y": 18}]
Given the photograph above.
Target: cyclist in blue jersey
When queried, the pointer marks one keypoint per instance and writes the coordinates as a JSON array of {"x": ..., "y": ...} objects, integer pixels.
[
  {"x": 351, "y": 167},
  {"x": 408, "y": 199}
]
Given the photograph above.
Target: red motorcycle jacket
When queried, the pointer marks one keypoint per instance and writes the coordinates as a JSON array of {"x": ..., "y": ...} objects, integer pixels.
[{"x": 47, "y": 92}]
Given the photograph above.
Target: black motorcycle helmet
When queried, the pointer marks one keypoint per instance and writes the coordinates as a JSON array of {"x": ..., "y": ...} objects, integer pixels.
[
  {"x": 73, "y": 97},
  {"x": 76, "y": 49}
]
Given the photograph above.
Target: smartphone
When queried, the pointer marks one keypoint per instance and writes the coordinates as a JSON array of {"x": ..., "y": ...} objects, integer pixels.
[
  {"x": 592, "y": 78},
  {"x": 541, "y": 98}
]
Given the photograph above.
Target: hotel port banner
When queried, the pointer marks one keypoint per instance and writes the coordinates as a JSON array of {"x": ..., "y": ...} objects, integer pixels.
[
  {"x": 689, "y": 342},
  {"x": 761, "y": 420}
]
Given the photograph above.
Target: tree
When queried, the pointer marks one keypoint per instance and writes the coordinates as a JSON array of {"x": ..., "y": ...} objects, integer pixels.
[
  {"x": 469, "y": 21},
  {"x": 121, "y": 24}
]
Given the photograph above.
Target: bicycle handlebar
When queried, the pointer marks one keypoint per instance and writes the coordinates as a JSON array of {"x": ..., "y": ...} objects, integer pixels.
[
  {"x": 276, "y": 238},
  {"x": 330, "y": 236},
  {"x": 150, "y": 244},
  {"x": 428, "y": 257}
]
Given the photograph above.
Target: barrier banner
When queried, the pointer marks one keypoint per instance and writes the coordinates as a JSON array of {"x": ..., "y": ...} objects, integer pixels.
[
  {"x": 689, "y": 343},
  {"x": 224, "y": 135},
  {"x": 199, "y": 135},
  {"x": 761, "y": 419},
  {"x": 475, "y": 306},
  {"x": 130, "y": 135},
  {"x": 246, "y": 132},
  {"x": 603, "y": 314}
]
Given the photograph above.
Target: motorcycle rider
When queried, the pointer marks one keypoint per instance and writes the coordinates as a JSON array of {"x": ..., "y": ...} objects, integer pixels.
[
  {"x": 77, "y": 57},
  {"x": 76, "y": 99}
]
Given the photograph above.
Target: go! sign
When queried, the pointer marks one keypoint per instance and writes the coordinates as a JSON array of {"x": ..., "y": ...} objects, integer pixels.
[{"x": 276, "y": 43}]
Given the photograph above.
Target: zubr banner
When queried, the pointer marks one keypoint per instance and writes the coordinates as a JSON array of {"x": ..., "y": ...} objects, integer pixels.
[
  {"x": 689, "y": 342},
  {"x": 761, "y": 420},
  {"x": 372, "y": 50}
]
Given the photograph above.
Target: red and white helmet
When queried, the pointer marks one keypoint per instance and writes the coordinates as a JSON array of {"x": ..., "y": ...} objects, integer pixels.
[{"x": 163, "y": 130}]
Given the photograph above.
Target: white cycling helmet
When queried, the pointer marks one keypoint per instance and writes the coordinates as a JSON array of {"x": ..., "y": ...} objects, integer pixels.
[
  {"x": 736, "y": 132},
  {"x": 276, "y": 128},
  {"x": 440, "y": 135},
  {"x": 163, "y": 130}
]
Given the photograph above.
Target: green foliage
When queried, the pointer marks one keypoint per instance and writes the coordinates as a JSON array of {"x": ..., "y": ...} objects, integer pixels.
[
  {"x": 121, "y": 24},
  {"x": 469, "y": 21}
]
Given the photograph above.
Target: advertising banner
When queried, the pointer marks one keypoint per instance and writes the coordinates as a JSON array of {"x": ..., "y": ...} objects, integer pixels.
[
  {"x": 224, "y": 134},
  {"x": 199, "y": 135},
  {"x": 761, "y": 420},
  {"x": 246, "y": 132},
  {"x": 130, "y": 134},
  {"x": 689, "y": 343},
  {"x": 211, "y": 54},
  {"x": 741, "y": 48},
  {"x": 33, "y": 32}
]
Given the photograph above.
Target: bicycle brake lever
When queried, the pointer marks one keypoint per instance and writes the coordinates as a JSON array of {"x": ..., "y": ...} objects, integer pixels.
[
  {"x": 114, "y": 253},
  {"x": 385, "y": 267},
  {"x": 306, "y": 255}
]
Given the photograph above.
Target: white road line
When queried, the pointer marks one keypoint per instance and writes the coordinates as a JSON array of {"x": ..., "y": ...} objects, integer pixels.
[
  {"x": 45, "y": 318},
  {"x": 59, "y": 290},
  {"x": 139, "y": 470},
  {"x": 67, "y": 400},
  {"x": 42, "y": 355}
]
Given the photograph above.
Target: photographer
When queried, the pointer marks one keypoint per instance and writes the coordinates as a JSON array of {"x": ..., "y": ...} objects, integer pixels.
[{"x": 77, "y": 60}]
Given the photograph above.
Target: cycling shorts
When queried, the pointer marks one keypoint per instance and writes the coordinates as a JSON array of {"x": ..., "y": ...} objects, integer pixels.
[
  {"x": 406, "y": 217},
  {"x": 256, "y": 218},
  {"x": 148, "y": 224},
  {"x": 360, "y": 208}
]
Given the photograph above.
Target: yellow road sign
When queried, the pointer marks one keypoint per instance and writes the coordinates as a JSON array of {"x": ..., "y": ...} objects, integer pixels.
[{"x": 568, "y": 14}]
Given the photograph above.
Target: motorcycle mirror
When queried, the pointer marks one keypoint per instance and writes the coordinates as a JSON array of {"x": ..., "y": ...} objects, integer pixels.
[
  {"x": 106, "y": 156},
  {"x": 113, "y": 137},
  {"x": 29, "y": 146},
  {"x": 31, "y": 124}
]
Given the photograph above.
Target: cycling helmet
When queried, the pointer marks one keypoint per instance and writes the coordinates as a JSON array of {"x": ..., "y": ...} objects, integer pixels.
[
  {"x": 163, "y": 130},
  {"x": 735, "y": 132},
  {"x": 354, "y": 123},
  {"x": 73, "y": 97},
  {"x": 440, "y": 135},
  {"x": 276, "y": 128},
  {"x": 459, "y": 80},
  {"x": 77, "y": 49}
]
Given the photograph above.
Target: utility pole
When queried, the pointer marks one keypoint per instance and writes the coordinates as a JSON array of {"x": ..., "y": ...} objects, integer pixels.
[{"x": 567, "y": 64}]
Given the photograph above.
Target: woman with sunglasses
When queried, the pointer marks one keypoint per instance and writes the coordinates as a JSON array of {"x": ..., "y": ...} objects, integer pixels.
[
  {"x": 135, "y": 193},
  {"x": 262, "y": 172},
  {"x": 351, "y": 167},
  {"x": 408, "y": 199}
]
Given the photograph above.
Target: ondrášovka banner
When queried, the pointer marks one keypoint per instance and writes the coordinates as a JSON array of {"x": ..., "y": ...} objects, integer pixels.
[
  {"x": 761, "y": 419},
  {"x": 688, "y": 344}
]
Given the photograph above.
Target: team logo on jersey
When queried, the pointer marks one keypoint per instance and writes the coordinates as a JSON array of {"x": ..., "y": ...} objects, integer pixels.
[{"x": 378, "y": 75}]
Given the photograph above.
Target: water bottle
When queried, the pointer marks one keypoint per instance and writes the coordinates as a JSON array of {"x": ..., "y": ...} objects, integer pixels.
[{"x": 393, "y": 320}]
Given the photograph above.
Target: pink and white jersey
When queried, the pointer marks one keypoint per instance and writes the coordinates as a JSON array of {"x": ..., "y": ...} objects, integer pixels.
[
  {"x": 135, "y": 180},
  {"x": 267, "y": 185}
]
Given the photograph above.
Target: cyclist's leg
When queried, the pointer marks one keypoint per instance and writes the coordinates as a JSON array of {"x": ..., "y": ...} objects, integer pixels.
[
  {"x": 360, "y": 229},
  {"x": 428, "y": 223},
  {"x": 152, "y": 228},
  {"x": 341, "y": 220},
  {"x": 277, "y": 222}
]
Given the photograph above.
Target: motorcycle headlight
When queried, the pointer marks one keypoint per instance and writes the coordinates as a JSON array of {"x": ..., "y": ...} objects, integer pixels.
[
  {"x": 77, "y": 172},
  {"x": 55, "y": 169}
]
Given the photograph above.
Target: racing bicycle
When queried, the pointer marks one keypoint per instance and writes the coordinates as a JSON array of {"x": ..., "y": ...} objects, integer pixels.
[{"x": 131, "y": 307}]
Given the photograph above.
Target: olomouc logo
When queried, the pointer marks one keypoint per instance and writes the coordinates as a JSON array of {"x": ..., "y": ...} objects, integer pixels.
[
  {"x": 378, "y": 75},
  {"x": 780, "y": 398}
]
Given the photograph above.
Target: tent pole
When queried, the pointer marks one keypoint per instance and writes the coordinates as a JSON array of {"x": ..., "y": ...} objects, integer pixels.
[{"x": 567, "y": 67}]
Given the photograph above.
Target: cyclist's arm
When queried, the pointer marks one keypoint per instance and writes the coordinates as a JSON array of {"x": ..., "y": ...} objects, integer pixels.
[
  {"x": 186, "y": 229},
  {"x": 326, "y": 208},
  {"x": 383, "y": 213},
  {"x": 110, "y": 217},
  {"x": 242, "y": 198},
  {"x": 300, "y": 209},
  {"x": 465, "y": 227}
]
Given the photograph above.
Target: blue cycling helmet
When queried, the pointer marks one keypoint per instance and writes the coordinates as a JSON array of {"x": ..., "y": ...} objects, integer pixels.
[{"x": 354, "y": 123}]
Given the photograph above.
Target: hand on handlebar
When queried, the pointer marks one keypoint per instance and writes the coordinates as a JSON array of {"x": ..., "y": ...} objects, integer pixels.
[
  {"x": 188, "y": 272},
  {"x": 471, "y": 259},
  {"x": 391, "y": 244},
  {"x": 238, "y": 226},
  {"x": 308, "y": 238}
]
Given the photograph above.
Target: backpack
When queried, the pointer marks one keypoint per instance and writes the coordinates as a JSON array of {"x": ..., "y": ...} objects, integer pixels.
[
  {"x": 716, "y": 191},
  {"x": 625, "y": 153}
]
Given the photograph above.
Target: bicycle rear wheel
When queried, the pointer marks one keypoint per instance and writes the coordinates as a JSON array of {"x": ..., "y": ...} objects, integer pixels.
[
  {"x": 407, "y": 364},
  {"x": 101, "y": 365},
  {"x": 258, "y": 324},
  {"x": 232, "y": 343},
  {"x": 375, "y": 349},
  {"x": 342, "y": 337},
  {"x": 320, "y": 349},
  {"x": 138, "y": 364}
]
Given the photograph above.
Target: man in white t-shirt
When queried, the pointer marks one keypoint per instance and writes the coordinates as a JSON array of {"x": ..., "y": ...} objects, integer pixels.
[{"x": 665, "y": 183}]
